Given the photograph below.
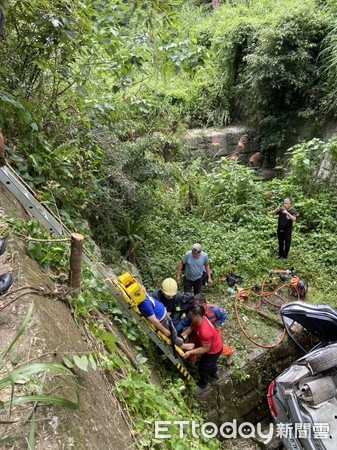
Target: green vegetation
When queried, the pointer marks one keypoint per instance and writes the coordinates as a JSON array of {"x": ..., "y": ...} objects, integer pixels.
[
  {"x": 94, "y": 97},
  {"x": 231, "y": 219}
]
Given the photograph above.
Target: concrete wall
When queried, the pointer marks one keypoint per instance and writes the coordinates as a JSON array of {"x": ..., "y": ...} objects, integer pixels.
[{"x": 241, "y": 393}]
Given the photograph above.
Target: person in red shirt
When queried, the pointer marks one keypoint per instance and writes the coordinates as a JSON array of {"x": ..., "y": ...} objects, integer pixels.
[
  {"x": 216, "y": 315},
  {"x": 210, "y": 346}
]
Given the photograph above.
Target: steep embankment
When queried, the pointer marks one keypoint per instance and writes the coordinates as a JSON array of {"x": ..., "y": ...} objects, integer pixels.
[{"x": 50, "y": 335}]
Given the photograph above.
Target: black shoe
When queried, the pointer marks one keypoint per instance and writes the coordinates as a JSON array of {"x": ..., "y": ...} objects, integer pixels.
[
  {"x": 215, "y": 375},
  {"x": 200, "y": 390},
  {"x": 6, "y": 281},
  {"x": 3, "y": 245}
]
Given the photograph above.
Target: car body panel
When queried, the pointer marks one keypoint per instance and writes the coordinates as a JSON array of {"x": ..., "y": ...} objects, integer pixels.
[
  {"x": 319, "y": 320},
  {"x": 303, "y": 399}
]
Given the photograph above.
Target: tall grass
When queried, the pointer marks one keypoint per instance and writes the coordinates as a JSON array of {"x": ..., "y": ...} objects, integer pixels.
[{"x": 8, "y": 379}]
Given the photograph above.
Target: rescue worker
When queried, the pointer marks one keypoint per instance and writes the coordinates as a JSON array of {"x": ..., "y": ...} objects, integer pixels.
[
  {"x": 216, "y": 315},
  {"x": 210, "y": 347},
  {"x": 193, "y": 263},
  {"x": 175, "y": 303},
  {"x": 156, "y": 313}
]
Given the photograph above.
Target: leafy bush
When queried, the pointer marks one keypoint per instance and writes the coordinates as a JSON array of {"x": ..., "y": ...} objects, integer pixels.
[{"x": 281, "y": 70}]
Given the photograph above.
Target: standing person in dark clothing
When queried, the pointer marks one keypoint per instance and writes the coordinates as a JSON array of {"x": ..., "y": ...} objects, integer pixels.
[
  {"x": 193, "y": 263},
  {"x": 286, "y": 216}
]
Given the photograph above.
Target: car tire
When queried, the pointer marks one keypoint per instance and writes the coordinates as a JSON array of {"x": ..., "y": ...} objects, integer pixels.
[{"x": 324, "y": 359}]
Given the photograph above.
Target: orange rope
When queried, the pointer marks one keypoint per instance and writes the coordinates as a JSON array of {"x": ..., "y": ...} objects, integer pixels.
[{"x": 263, "y": 295}]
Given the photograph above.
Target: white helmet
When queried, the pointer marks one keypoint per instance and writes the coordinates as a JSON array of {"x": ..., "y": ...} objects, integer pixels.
[{"x": 169, "y": 287}]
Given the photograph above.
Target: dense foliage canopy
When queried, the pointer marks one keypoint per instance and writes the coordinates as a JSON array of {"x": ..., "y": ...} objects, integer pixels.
[{"x": 94, "y": 96}]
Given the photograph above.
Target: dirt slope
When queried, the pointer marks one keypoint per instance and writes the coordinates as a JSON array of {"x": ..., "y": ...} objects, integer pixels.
[{"x": 50, "y": 335}]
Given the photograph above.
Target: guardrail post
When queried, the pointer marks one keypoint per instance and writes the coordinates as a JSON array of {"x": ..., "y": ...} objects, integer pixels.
[{"x": 75, "y": 263}]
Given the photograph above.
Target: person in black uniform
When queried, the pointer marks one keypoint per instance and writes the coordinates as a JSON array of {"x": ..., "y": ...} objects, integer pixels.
[
  {"x": 175, "y": 303},
  {"x": 286, "y": 216}
]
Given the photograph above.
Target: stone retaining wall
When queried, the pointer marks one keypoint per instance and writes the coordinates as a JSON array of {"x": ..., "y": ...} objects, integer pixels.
[
  {"x": 219, "y": 142},
  {"x": 241, "y": 393}
]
